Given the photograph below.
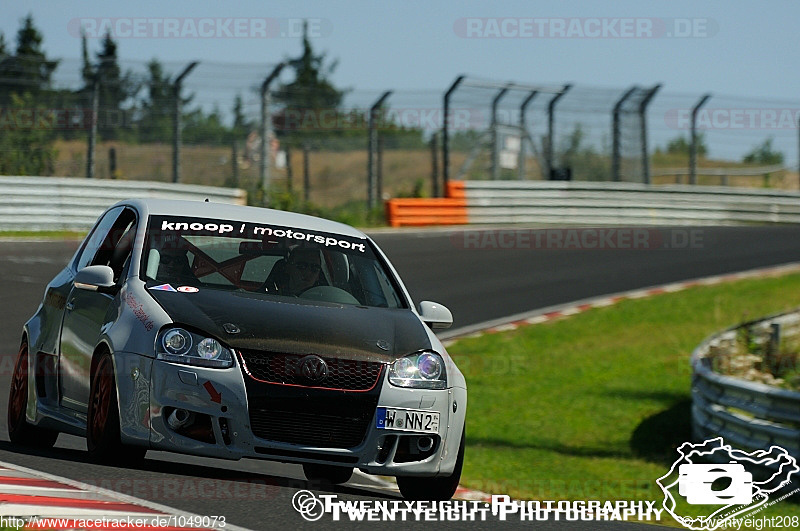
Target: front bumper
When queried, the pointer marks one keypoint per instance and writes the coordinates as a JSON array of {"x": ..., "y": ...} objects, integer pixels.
[{"x": 223, "y": 425}]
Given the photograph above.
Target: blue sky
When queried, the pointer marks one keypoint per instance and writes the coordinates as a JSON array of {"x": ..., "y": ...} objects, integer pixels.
[
  {"x": 738, "y": 51},
  {"x": 414, "y": 44}
]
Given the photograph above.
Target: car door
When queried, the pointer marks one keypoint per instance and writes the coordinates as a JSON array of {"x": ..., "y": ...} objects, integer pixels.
[{"x": 86, "y": 311}]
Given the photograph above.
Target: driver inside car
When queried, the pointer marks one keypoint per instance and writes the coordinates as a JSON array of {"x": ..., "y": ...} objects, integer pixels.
[
  {"x": 173, "y": 266},
  {"x": 297, "y": 273},
  {"x": 302, "y": 268}
]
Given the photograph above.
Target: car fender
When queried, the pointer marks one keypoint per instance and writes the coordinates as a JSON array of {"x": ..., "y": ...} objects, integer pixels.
[
  {"x": 135, "y": 321},
  {"x": 457, "y": 391},
  {"x": 133, "y": 375},
  {"x": 130, "y": 335}
]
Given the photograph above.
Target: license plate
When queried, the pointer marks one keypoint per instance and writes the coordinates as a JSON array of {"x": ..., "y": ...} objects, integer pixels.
[{"x": 413, "y": 420}]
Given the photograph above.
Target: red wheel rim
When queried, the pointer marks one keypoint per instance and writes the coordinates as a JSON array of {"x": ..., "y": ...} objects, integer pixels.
[
  {"x": 100, "y": 403},
  {"x": 18, "y": 398}
]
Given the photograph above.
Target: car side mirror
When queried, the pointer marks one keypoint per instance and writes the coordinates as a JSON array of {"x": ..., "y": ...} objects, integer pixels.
[
  {"x": 435, "y": 315},
  {"x": 95, "y": 278}
]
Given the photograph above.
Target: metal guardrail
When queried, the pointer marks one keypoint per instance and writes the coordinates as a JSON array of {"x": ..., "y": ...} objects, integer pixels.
[
  {"x": 724, "y": 171},
  {"x": 625, "y": 203},
  {"x": 748, "y": 415},
  {"x": 64, "y": 203}
]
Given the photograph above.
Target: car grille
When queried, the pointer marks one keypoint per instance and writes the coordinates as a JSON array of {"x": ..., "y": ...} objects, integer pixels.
[
  {"x": 310, "y": 429},
  {"x": 348, "y": 375}
]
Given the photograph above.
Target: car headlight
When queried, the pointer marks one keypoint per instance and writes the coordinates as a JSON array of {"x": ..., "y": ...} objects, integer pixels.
[
  {"x": 181, "y": 346},
  {"x": 421, "y": 370}
]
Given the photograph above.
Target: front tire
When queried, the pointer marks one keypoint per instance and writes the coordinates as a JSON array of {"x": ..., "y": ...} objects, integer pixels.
[
  {"x": 19, "y": 431},
  {"x": 327, "y": 473},
  {"x": 434, "y": 489},
  {"x": 102, "y": 423}
]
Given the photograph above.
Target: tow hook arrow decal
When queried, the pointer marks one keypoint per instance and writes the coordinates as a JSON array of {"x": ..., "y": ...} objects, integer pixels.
[{"x": 212, "y": 392}]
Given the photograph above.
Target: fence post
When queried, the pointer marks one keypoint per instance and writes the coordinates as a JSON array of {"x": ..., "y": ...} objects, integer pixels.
[
  {"x": 551, "y": 109},
  {"x": 615, "y": 135},
  {"x": 176, "y": 121},
  {"x": 446, "y": 131},
  {"x": 379, "y": 169},
  {"x": 693, "y": 146},
  {"x": 112, "y": 163},
  {"x": 289, "y": 174},
  {"x": 643, "y": 124},
  {"x": 93, "y": 127},
  {"x": 523, "y": 129},
  {"x": 266, "y": 130},
  {"x": 234, "y": 163},
  {"x": 306, "y": 176},
  {"x": 372, "y": 142},
  {"x": 434, "y": 165},
  {"x": 495, "y": 166}
]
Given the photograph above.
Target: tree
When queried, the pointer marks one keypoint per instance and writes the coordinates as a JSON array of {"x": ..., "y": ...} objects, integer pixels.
[
  {"x": 240, "y": 123},
  {"x": 764, "y": 154},
  {"x": 156, "y": 110},
  {"x": 28, "y": 70},
  {"x": 311, "y": 88},
  {"x": 680, "y": 146},
  {"x": 310, "y": 92},
  {"x": 26, "y": 142},
  {"x": 115, "y": 88},
  {"x": 583, "y": 160},
  {"x": 201, "y": 128},
  {"x": 25, "y": 148},
  {"x": 87, "y": 70}
]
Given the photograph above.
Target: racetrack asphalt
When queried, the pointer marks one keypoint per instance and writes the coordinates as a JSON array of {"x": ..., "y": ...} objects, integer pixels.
[{"x": 477, "y": 284}]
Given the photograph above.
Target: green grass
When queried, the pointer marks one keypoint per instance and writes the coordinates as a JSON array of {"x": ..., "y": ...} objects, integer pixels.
[
  {"x": 44, "y": 234},
  {"x": 595, "y": 405}
]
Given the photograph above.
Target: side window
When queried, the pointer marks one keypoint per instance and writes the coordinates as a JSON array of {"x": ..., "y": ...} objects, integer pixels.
[
  {"x": 96, "y": 238},
  {"x": 118, "y": 244}
]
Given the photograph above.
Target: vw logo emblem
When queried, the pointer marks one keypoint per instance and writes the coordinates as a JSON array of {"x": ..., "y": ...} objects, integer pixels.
[{"x": 313, "y": 368}]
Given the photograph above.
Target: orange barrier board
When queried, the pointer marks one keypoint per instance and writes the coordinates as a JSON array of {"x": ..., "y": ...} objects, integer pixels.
[{"x": 415, "y": 212}]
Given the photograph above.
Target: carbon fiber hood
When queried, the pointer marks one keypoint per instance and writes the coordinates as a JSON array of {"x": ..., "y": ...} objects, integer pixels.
[{"x": 295, "y": 326}]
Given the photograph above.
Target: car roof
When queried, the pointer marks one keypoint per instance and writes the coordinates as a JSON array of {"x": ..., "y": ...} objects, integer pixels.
[{"x": 226, "y": 211}]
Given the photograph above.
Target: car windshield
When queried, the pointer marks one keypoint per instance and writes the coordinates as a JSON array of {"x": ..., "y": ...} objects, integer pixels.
[{"x": 184, "y": 253}]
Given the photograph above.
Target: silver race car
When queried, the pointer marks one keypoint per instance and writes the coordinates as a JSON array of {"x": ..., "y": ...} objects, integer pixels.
[{"x": 232, "y": 332}]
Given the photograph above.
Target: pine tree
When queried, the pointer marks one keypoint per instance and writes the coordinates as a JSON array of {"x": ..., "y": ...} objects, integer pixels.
[
  {"x": 155, "y": 122},
  {"x": 311, "y": 90},
  {"x": 115, "y": 88},
  {"x": 87, "y": 71},
  {"x": 33, "y": 69}
]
